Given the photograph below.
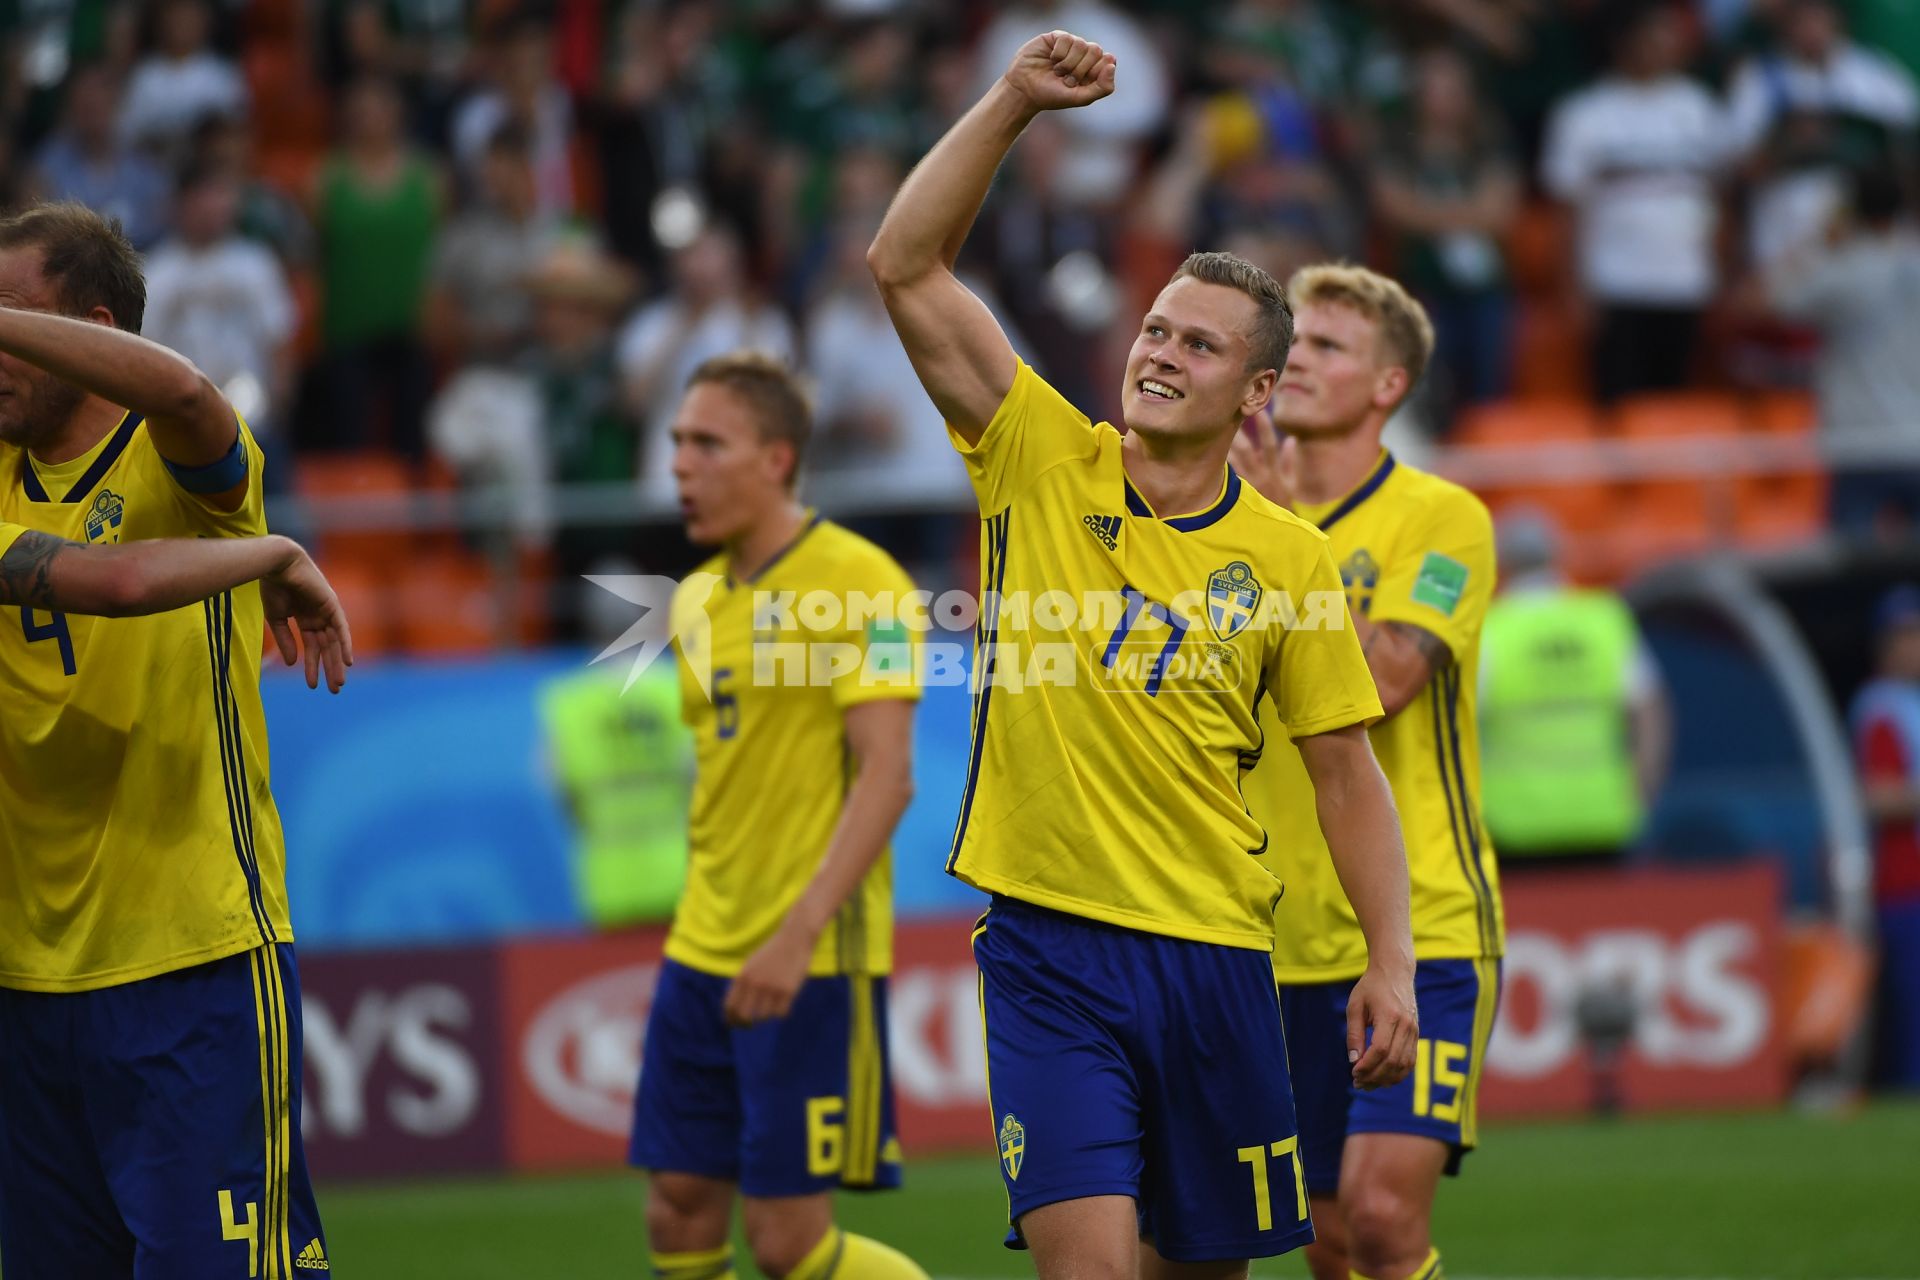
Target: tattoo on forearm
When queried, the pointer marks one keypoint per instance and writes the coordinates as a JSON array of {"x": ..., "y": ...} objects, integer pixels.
[
  {"x": 1431, "y": 646},
  {"x": 26, "y": 570}
]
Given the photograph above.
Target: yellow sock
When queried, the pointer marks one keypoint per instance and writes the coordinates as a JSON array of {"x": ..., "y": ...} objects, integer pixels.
[
  {"x": 1429, "y": 1269},
  {"x": 708, "y": 1264},
  {"x": 841, "y": 1255}
]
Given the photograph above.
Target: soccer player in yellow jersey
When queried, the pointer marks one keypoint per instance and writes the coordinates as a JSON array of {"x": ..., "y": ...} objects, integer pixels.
[
  {"x": 1139, "y": 603},
  {"x": 40, "y": 571},
  {"x": 149, "y": 1009},
  {"x": 764, "y": 1074},
  {"x": 1416, "y": 555}
]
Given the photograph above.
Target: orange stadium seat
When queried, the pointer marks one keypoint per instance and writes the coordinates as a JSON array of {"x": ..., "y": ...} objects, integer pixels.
[
  {"x": 318, "y": 477},
  {"x": 1550, "y": 349},
  {"x": 448, "y": 605},
  {"x": 1783, "y": 413},
  {"x": 1670, "y": 415},
  {"x": 1540, "y": 249},
  {"x": 363, "y": 591},
  {"x": 1526, "y": 420}
]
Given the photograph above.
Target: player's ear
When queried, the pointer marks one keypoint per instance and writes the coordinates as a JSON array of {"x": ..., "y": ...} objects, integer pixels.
[
  {"x": 1390, "y": 387},
  {"x": 1259, "y": 391}
]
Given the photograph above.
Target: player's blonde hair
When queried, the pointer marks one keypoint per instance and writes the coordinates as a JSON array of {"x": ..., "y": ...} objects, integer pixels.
[
  {"x": 774, "y": 394},
  {"x": 1272, "y": 336},
  {"x": 1406, "y": 334}
]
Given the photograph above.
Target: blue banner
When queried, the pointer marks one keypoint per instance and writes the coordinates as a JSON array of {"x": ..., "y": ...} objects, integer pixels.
[{"x": 418, "y": 807}]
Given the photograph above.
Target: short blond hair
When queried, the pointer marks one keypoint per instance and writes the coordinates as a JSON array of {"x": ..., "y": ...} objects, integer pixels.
[
  {"x": 1272, "y": 335},
  {"x": 772, "y": 392},
  {"x": 1402, "y": 322}
]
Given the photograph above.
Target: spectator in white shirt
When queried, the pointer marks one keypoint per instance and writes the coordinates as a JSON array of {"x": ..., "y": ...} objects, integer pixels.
[
  {"x": 180, "y": 83},
  {"x": 1807, "y": 113},
  {"x": 523, "y": 88},
  {"x": 710, "y": 311},
  {"x": 1097, "y": 165},
  {"x": 1863, "y": 296},
  {"x": 1638, "y": 155},
  {"x": 222, "y": 300}
]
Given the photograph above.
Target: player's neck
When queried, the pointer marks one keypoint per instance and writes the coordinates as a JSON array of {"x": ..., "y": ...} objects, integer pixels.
[
  {"x": 1332, "y": 465},
  {"x": 84, "y": 428},
  {"x": 764, "y": 539},
  {"x": 1175, "y": 479}
]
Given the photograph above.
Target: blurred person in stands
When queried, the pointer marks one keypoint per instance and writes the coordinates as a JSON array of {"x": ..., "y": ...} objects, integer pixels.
[
  {"x": 1806, "y": 112},
  {"x": 1638, "y": 155},
  {"x": 623, "y": 763},
  {"x": 521, "y": 85},
  {"x": 554, "y": 414},
  {"x": 267, "y": 213},
  {"x": 1416, "y": 559},
  {"x": 1096, "y": 159},
  {"x": 1861, "y": 293},
  {"x": 1449, "y": 189},
  {"x": 376, "y": 208},
  {"x": 665, "y": 95},
  {"x": 1044, "y": 255},
  {"x": 86, "y": 161},
  {"x": 180, "y": 83},
  {"x": 222, "y": 301},
  {"x": 478, "y": 309},
  {"x": 425, "y": 48},
  {"x": 712, "y": 309},
  {"x": 1886, "y": 734},
  {"x": 1575, "y": 728},
  {"x": 765, "y": 1074}
]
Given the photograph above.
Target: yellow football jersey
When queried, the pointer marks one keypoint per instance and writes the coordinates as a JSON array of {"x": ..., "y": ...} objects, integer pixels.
[
  {"x": 137, "y": 834},
  {"x": 1118, "y": 663},
  {"x": 768, "y": 666},
  {"x": 9, "y": 534},
  {"x": 1411, "y": 548}
]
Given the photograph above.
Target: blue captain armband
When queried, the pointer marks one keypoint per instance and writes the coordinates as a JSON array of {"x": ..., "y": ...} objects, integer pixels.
[{"x": 217, "y": 476}]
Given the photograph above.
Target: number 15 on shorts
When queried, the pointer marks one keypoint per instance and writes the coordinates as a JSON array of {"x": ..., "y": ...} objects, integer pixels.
[{"x": 1263, "y": 1186}]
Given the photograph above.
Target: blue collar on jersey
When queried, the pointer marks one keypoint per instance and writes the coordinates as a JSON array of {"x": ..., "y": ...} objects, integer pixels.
[
  {"x": 1368, "y": 487},
  {"x": 813, "y": 518},
  {"x": 122, "y": 436},
  {"x": 1137, "y": 505}
]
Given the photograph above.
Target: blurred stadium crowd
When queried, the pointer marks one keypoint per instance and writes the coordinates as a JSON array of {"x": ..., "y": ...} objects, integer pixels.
[{"x": 475, "y": 246}]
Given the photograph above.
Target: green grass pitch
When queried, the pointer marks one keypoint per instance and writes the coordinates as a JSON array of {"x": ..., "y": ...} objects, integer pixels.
[{"x": 1779, "y": 1195}]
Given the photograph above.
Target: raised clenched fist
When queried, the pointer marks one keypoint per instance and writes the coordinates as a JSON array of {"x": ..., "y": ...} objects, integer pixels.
[{"x": 1060, "y": 70}]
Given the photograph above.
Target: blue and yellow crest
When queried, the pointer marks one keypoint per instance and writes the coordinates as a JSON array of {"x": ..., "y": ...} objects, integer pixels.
[
  {"x": 1232, "y": 596},
  {"x": 108, "y": 509},
  {"x": 1013, "y": 1145}
]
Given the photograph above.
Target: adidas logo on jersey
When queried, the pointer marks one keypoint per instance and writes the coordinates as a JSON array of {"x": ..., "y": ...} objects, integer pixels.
[
  {"x": 313, "y": 1257},
  {"x": 1105, "y": 528}
]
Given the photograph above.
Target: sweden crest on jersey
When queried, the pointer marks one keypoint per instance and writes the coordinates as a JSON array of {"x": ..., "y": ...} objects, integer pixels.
[
  {"x": 1233, "y": 593},
  {"x": 108, "y": 510}
]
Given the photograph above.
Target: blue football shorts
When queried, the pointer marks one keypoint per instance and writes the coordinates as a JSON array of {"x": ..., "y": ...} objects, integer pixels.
[
  {"x": 1128, "y": 1063},
  {"x": 788, "y": 1107},
  {"x": 153, "y": 1128},
  {"x": 1439, "y": 1099}
]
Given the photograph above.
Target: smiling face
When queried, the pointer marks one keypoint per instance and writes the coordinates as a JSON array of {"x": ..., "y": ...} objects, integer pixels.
[
  {"x": 729, "y": 472},
  {"x": 1338, "y": 374},
  {"x": 1188, "y": 373},
  {"x": 34, "y": 405}
]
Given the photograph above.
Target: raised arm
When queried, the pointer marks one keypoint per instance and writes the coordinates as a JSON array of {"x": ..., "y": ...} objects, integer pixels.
[
  {"x": 41, "y": 571},
  {"x": 191, "y": 423},
  {"x": 963, "y": 358}
]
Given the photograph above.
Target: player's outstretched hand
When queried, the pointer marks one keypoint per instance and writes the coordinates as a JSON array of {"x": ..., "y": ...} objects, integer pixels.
[
  {"x": 297, "y": 597},
  {"x": 770, "y": 979},
  {"x": 1382, "y": 1002},
  {"x": 1060, "y": 70},
  {"x": 1266, "y": 457}
]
